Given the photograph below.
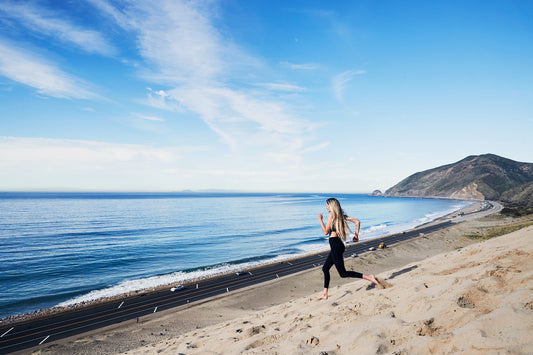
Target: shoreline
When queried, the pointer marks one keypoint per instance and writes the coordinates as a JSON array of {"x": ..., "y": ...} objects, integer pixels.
[{"x": 14, "y": 320}]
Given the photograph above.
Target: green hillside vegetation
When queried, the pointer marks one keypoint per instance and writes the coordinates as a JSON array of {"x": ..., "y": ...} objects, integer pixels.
[
  {"x": 492, "y": 232},
  {"x": 518, "y": 201},
  {"x": 521, "y": 195}
]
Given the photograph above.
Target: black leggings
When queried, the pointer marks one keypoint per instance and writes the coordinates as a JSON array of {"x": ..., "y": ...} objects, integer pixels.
[{"x": 335, "y": 258}]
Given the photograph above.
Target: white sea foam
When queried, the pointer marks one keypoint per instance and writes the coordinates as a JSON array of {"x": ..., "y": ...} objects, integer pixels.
[
  {"x": 129, "y": 286},
  {"x": 311, "y": 248},
  {"x": 428, "y": 218},
  {"x": 375, "y": 228}
]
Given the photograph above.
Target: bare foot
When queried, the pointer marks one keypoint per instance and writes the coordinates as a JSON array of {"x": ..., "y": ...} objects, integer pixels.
[{"x": 323, "y": 296}]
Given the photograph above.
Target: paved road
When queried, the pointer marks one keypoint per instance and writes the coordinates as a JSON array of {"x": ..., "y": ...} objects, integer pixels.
[
  {"x": 480, "y": 209},
  {"x": 38, "y": 332}
]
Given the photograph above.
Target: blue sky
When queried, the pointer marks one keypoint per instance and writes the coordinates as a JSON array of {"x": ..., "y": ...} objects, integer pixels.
[{"x": 282, "y": 96}]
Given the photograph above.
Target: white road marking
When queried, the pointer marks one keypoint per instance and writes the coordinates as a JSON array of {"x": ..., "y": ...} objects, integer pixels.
[
  {"x": 196, "y": 286},
  {"x": 48, "y": 336},
  {"x": 277, "y": 276},
  {"x": 155, "y": 309},
  {"x": 227, "y": 289},
  {"x": 1, "y": 336},
  {"x": 120, "y": 305}
]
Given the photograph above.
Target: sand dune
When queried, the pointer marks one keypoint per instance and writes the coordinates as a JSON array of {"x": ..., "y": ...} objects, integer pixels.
[{"x": 475, "y": 300}]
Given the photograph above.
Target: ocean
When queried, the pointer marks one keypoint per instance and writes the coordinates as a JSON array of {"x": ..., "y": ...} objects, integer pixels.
[{"x": 66, "y": 248}]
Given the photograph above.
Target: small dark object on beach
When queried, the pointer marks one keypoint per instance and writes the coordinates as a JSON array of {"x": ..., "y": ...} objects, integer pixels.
[
  {"x": 464, "y": 302},
  {"x": 403, "y": 271},
  {"x": 313, "y": 341}
]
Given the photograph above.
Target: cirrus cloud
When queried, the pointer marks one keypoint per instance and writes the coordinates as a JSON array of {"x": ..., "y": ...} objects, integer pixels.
[
  {"x": 42, "y": 21},
  {"x": 341, "y": 81},
  {"x": 29, "y": 69},
  {"x": 184, "y": 51}
]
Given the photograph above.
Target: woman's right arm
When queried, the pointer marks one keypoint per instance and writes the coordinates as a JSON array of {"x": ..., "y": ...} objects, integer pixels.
[{"x": 326, "y": 228}]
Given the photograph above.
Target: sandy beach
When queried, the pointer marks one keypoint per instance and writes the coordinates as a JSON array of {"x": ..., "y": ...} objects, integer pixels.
[{"x": 444, "y": 293}]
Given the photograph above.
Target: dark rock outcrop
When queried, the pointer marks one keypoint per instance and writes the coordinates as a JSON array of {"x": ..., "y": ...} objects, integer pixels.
[{"x": 376, "y": 193}]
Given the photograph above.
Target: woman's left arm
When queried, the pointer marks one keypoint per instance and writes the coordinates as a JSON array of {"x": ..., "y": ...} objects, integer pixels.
[{"x": 357, "y": 227}]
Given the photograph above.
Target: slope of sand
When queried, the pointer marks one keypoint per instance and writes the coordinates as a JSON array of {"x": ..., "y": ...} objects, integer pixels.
[
  {"x": 233, "y": 316},
  {"x": 478, "y": 299}
]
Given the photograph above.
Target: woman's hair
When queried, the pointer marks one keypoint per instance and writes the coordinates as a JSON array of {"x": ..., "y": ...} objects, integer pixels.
[{"x": 339, "y": 218}]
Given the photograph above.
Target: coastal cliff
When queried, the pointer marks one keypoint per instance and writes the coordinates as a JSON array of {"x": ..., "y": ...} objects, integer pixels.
[{"x": 476, "y": 177}]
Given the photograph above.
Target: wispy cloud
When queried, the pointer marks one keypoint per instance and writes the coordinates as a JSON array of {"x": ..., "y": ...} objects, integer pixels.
[
  {"x": 151, "y": 118},
  {"x": 43, "y": 21},
  {"x": 305, "y": 66},
  {"x": 242, "y": 120},
  {"x": 118, "y": 16},
  {"x": 31, "y": 70},
  {"x": 282, "y": 87},
  {"x": 340, "y": 82},
  {"x": 316, "y": 148},
  {"x": 175, "y": 38},
  {"x": 182, "y": 49},
  {"x": 160, "y": 99}
]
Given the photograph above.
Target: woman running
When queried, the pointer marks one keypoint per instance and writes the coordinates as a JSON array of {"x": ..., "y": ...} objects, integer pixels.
[{"x": 336, "y": 227}]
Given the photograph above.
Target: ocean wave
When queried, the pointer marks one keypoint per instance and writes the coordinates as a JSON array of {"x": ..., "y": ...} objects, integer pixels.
[
  {"x": 373, "y": 229},
  {"x": 428, "y": 217}
]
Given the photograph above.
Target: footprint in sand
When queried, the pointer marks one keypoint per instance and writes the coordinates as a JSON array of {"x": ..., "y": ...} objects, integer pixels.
[{"x": 382, "y": 284}]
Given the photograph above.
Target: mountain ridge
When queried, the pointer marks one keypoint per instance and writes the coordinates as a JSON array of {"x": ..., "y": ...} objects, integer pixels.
[{"x": 476, "y": 177}]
